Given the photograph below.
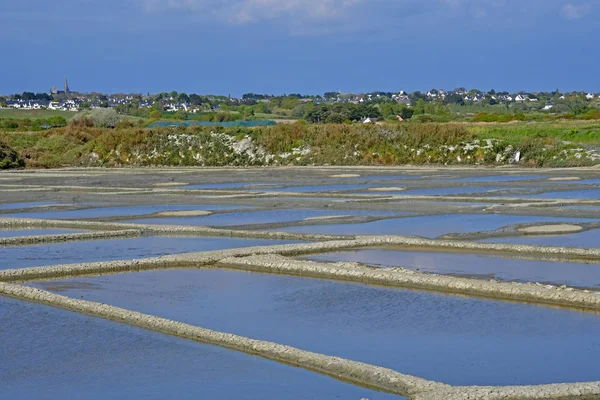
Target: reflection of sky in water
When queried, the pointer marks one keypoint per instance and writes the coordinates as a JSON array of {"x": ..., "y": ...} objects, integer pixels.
[
  {"x": 455, "y": 190},
  {"x": 17, "y": 206},
  {"x": 581, "y": 239},
  {"x": 453, "y": 339},
  {"x": 323, "y": 188},
  {"x": 236, "y": 185},
  {"x": 572, "y": 274},
  {"x": 35, "y": 232},
  {"x": 429, "y": 226},
  {"x": 95, "y": 359},
  {"x": 259, "y": 217},
  {"x": 500, "y": 178},
  {"x": 119, "y": 211},
  {"x": 591, "y": 194},
  {"x": 117, "y": 249}
]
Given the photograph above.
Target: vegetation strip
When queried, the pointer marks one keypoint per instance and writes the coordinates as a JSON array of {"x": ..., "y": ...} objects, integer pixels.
[
  {"x": 352, "y": 371},
  {"x": 66, "y": 237}
]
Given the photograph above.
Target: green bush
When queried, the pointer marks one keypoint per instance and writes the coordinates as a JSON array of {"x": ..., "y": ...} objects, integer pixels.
[
  {"x": 101, "y": 117},
  {"x": 9, "y": 158}
]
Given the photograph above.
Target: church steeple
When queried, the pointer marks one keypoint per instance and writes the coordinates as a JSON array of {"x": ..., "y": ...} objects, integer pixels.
[{"x": 66, "y": 89}]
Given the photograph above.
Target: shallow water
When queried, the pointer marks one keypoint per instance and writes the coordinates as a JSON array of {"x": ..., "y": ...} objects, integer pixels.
[
  {"x": 461, "y": 190},
  {"x": 456, "y": 340},
  {"x": 477, "y": 265},
  {"x": 323, "y": 188},
  {"x": 501, "y": 178},
  {"x": 35, "y": 232},
  {"x": 590, "y": 208},
  {"x": 457, "y": 203},
  {"x": 118, "y": 249},
  {"x": 594, "y": 181},
  {"x": 429, "y": 226},
  {"x": 49, "y": 353},
  {"x": 235, "y": 185},
  {"x": 582, "y": 239},
  {"x": 328, "y": 199},
  {"x": 259, "y": 217},
  {"x": 383, "y": 177},
  {"x": 119, "y": 211},
  {"x": 590, "y": 194},
  {"x": 16, "y": 206}
]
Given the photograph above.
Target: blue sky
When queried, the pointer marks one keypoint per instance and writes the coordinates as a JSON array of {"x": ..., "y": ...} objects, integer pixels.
[{"x": 306, "y": 46}]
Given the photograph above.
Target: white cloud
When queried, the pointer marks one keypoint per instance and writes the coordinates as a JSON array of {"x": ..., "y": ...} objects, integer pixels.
[
  {"x": 251, "y": 11},
  {"x": 573, "y": 11}
]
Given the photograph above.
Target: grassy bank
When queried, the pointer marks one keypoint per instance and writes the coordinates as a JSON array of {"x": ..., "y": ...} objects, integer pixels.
[
  {"x": 565, "y": 143},
  {"x": 35, "y": 114},
  {"x": 586, "y": 132}
]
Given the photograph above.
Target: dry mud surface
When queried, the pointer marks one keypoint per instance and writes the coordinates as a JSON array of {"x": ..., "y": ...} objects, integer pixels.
[{"x": 316, "y": 210}]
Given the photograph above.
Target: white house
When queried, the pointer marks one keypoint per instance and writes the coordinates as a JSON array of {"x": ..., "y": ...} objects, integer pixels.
[
  {"x": 521, "y": 97},
  {"x": 548, "y": 107},
  {"x": 589, "y": 96}
]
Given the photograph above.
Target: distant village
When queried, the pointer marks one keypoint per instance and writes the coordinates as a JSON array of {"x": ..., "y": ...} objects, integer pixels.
[{"x": 69, "y": 100}]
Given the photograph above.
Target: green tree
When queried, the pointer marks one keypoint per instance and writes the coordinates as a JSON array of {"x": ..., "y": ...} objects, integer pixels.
[
  {"x": 28, "y": 96},
  {"x": 154, "y": 114},
  {"x": 183, "y": 98},
  {"x": 57, "y": 121},
  {"x": 181, "y": 114}
]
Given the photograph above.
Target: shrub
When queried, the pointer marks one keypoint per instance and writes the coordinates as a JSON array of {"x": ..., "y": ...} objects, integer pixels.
[
  {"x": 9, "y": 158},
  {"x": 101, "y": 117}
]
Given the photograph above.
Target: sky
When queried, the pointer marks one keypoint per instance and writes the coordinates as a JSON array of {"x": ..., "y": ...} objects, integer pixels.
[{"x": 231, "y": 47}]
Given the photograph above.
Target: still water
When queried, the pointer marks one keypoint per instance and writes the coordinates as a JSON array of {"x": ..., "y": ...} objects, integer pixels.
[
  {"x": 428, "y": 226},
  {"x": 456, "y": 340},
  {"x": 260, "y": 217},
  {"x": 581, "y": 239},
  {"x": 117, "y": 249},
  {"x": 474, "y": 265},
  {"x": 118, "y": 211},
  {"x": 49, "y": 354},
  {"x": 35, "y": 232}
]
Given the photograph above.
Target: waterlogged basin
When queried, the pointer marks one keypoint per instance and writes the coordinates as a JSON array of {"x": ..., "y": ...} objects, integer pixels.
[
  {"x": 327, "y": 199},
  {"x": 590, "y": 239},
  {"x": 461, "y": 190},
  {"x": 386, "y": 177},
  {"x": 592, "y": 181},
  {"x": 119, "y": 211},
  {"x": 453, "y": 339},
  {"x": 501, "y": 178},
  {"x": 428, "y": 226},
  {"x": 16, "y": 206},
  {"x": 324, "y": 188},
  {"x": 474, "y": 265},
  {"x": 589, "y": 194},
  {"x": 260, "y": 217},
  {"x": 49, "y": 354},
  {"x": 118, "y": 249},
  {"x": 35, "y": 232},
  {"x": 235, "y": 185}
]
